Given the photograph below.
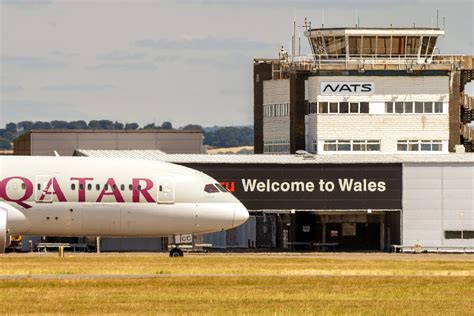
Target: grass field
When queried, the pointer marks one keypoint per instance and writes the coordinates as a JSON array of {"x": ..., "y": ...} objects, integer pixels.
[{"x": 253, "y": 284}]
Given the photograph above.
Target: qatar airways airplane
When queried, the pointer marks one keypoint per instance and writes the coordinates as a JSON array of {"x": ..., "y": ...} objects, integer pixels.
[{"x": 81, "y": 196}]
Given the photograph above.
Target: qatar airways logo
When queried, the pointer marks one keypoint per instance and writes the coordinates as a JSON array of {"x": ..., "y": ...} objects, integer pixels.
[
  {"x": 23, "y": 190},
  {"x": 347, "y": 88}
]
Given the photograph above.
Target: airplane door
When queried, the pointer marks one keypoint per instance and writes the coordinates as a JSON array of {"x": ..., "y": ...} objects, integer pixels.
[
  {"x": 166, "y": 190},
  {"x": 42, "y": 190}
]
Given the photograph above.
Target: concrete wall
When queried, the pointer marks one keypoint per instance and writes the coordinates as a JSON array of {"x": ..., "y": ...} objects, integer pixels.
[
  {"x": 437, "y": 198},
  {"x": 387, "y": 128}
]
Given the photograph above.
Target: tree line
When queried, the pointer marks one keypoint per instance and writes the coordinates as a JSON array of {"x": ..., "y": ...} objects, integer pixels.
[{"x": 213, "y": 136}]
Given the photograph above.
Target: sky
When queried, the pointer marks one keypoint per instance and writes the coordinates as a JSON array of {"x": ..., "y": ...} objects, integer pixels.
[{"x": 182, "y": 61}]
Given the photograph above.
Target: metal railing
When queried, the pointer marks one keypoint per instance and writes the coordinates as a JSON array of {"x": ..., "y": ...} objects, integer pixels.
[{"x": 315, "y": 61}]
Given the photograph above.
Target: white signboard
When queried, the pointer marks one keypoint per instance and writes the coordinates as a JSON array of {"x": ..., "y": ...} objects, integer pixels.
[
  {"x": 183, "y": 239},
  {"x": 347, "y": 88}
]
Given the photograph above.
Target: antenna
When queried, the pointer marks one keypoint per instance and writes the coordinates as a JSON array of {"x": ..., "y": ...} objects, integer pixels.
[
  {"x": 299, "y": 44},
  {"x": 437, "y": 18},
  {"x": 357, "y": 18},
  {"x": 322, "y": 25},
  {"x": 293, "y": 40}
]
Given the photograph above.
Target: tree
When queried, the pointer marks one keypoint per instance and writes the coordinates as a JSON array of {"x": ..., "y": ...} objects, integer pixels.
[
  {"x": 24, "y": 126},
  {"x": 59, "y": 124},
  {"x": 193, "y": 127},
  {"x": 77, "y": 125},
  {"x": 229, "y": 137},
  {"x": 5, "y": 143},
  {"x": 167, "y": 125},
  {"x": 131, "y": 126},
  {"x": 118, "y": 125},
  {"x": 11, "y": 127},
  {"x": 41, "y": 125},
  {"x": 151, "y": 126},
  {"x": 101, "y": 124}
]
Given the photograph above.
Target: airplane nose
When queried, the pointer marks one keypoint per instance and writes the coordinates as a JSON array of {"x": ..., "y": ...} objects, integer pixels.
[{"x": 241, "y": 215}]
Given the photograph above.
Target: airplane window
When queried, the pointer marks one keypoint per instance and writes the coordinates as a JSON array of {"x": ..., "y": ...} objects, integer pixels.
[
  {"x": 39, "y": 186},
  {"x": 122, "y": 187},
  {"x": 23, "y": 186},
  {"x": 114, "y": 187},
  {"x": 97, "y": 187},
  {"x": 89, "y": 187},
  {"x": 73, "y": 186},
  {"x": 139, "y": 187},
  {"x": 130, "y": 187},
  {"x": 220, "y": 187},
  {"x": 106, "y": 187},
  {"x": 210, "y": 188},
  {"x": 81, "y": 187}
]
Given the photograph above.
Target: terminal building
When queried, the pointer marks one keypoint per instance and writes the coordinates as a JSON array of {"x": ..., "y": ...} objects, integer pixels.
[
  {"x": 349, "y": 202},
  {"x": 364, "y": 90}
]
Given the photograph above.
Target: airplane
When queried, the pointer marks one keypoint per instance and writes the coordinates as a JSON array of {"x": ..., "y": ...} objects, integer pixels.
[{"x": 84, "y": 196}]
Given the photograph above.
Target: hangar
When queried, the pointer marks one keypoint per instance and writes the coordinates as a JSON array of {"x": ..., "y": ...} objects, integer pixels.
[{"x": 348, "y": 202}]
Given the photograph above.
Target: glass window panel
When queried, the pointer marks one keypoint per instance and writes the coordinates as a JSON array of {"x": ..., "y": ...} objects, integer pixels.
[
  {"x": 424, "y": 46},
  {"x": 323, "y": 107},
  {"x": 413, "y": 145},
  {"x": 340, "y": 45},
  {"x": 418, "y": 107},
  {"x": 358, "y": 145},
  {"x": 368, "y": 47},
  {"x": 344, "y": 145},
  {"x": 354, "y": 107},
  {"x": 431, "y": 46},
  {"x": 383, "y": 45},
  {"x": 344, "y": 107},
  {"x": 388, "y": 107},
  {"x": 408, "y": 107},
  {"x": 437, "y": 145},
  {"x": 468, "y": 234},
  {"x": 364, "y": 107},
  {"x": 330, "y": 145},
  {"x": 412, "y": 45},
  {"x": 428, "y": 107},
  {"x": 398, "y": 107},
  {"x": 425, "y": 146},
  {"x": 402, "y": 146},
  {"x": 452, "y": 234},
  {"x": 331, "y": 47},
  {"x": 373, "y": 145},
  {"x": 333, "y": 107},
  {"x": 398, "y": 45},
  {"x": 438, "y": 108},
  {"x": 354, "y": 45}
]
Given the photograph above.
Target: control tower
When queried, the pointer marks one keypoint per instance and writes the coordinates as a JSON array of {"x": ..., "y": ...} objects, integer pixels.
[{"x": 370, "y": 90}]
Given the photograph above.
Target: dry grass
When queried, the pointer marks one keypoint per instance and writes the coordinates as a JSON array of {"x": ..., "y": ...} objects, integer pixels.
[
  {"x": 241, "y": 295},
  {"x": 265, "y": 285},
  {"x": 237, "y": 264}
]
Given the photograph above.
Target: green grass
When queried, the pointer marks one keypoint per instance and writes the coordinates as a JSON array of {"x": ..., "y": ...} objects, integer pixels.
[{"x": 262, "y": 284}]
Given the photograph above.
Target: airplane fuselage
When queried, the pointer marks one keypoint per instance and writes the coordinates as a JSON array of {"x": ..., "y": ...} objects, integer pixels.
[{"x": 80, "y": 196}]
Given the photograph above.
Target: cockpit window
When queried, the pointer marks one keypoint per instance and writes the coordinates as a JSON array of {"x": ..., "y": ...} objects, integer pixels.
[
  {"x": 220, "y": 187},
  {"x": 210, "y": 188}
]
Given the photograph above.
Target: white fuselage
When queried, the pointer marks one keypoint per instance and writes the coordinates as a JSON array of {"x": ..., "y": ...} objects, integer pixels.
[{"x": 81, "y": 196}]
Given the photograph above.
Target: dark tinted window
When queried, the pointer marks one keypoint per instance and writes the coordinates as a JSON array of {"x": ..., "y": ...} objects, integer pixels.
[
  {"x": 344, "y": 107},
  {"x": 364, "y": 107}
]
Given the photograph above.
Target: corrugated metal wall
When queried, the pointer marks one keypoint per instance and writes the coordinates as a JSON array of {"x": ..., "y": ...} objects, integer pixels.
[
  {"x": 239, "y": 237},
  {"x": 437, "y": 198}
]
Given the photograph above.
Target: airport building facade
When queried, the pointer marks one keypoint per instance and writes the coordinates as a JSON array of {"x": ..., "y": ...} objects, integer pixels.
[
  {"x": 364, "y": 90},
  {"x": 363, "y": 202}
]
